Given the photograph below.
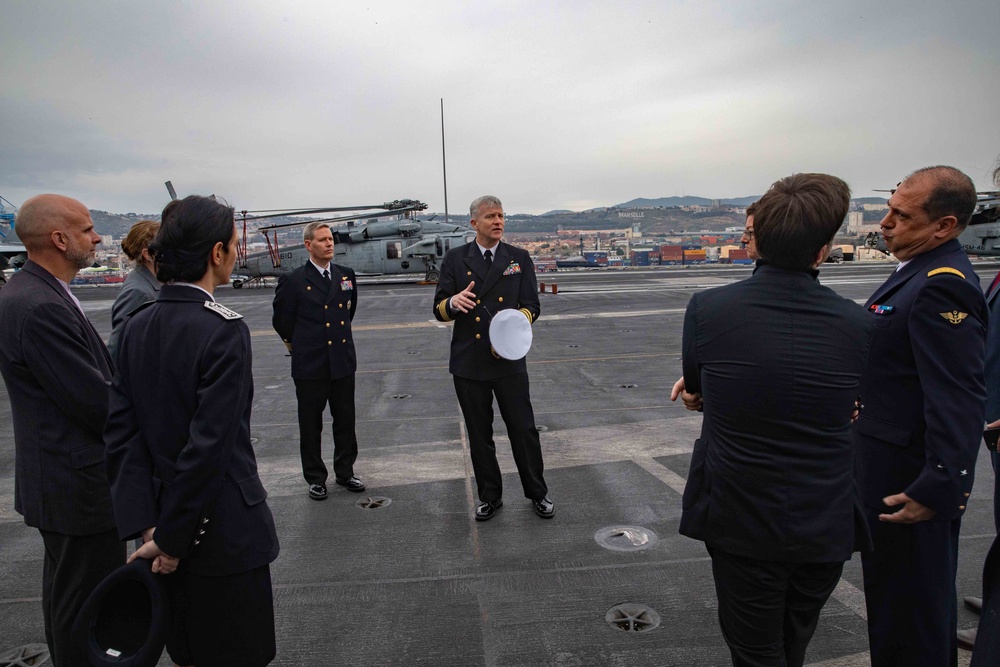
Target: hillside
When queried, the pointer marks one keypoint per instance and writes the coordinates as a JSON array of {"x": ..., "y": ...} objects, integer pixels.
[{"x": 669, "y": 202}]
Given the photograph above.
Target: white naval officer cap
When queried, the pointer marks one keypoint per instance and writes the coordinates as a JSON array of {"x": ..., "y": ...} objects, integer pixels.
[{"x": 510, "y": 334}]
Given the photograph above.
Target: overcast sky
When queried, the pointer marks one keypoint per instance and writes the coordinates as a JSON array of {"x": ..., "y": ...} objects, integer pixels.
[{"x": 548, "y": 105}]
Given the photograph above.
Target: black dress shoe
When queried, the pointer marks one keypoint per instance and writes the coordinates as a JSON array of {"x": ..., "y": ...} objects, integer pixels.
[
  {"x": 352, "y": 483},
  {"x": 317, "y": 491},
  {"x": 967, "y": 639},
  {"x": 544, "y": 508},
  {"x": 486, "y": 510},
  {"x": 974, "y": 604}
]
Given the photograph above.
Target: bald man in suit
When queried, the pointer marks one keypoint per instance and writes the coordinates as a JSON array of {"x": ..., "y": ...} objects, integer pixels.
[{"x": 58, "y": 373}]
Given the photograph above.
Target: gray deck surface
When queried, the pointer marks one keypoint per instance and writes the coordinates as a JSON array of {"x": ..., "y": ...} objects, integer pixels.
[{"x": 418, "y": 582}]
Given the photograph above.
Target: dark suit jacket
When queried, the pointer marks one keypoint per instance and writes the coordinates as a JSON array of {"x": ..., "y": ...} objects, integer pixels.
[
  {"x": 57, "y": 372},
  {"x": 313, "y": 317},
  {"x": 510, "y": 283},
  {"x": 924, "y": 390},
  {"x": 778, "y": 359},
  {"x": 140, "y": 286},
  {"x": 178, "y": 436}
]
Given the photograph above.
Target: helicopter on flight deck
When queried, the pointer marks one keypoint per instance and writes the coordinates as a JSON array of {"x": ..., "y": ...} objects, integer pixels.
[{"x": 395, "y": 242}]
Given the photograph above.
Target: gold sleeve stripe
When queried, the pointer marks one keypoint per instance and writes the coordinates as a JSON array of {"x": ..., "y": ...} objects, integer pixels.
[
  {"x": 442, "y": 309},
  {"x": 946, "y": 269},
  {"x": 527, "y": 313}
]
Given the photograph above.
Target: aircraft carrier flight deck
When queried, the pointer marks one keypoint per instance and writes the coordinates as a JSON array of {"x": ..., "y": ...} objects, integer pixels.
[{"x": 402, "y": 575}]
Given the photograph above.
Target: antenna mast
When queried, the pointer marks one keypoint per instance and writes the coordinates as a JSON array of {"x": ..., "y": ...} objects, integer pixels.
[{"x": 444, "y": 165}]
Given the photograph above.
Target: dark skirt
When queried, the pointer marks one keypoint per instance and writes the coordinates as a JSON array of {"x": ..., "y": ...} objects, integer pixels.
[{"x": 222, "y": 620}]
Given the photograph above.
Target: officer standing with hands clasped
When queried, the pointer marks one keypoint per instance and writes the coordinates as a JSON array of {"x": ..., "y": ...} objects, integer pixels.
[
  {"x": 313, "y": 309},
  {"x": 478, "y": 280}
]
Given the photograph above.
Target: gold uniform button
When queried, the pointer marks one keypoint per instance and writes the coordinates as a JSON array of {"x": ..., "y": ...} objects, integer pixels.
[
  {"x": 340, "y": 305},
  {"x": 478, "y": 336},
  {"x": 966, "y": 495},
  {"x": 478, "y": 302},
  {"x": 329, "y": 342},
  {"x": 308, "y": 288},
  {"x": 501, "y": 299},
  {"x": 468, "y": 273},
  {"x": 343, "y": 340},
  {"x": 325, "y": 307},
  {"x": 961, "y": 507},
  {"x": 341, "y": 322},
  {"x": 328, "y": 324},
  {"x": 477, "y": 319}
]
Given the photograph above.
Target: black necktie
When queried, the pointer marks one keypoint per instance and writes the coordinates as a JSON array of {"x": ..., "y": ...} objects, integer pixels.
[
  {"x": 326, "y": 275},
  {"x": 488, "y": 256}
]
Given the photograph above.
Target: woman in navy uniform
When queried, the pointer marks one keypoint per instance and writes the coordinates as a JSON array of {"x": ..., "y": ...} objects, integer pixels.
[{"x": 182, "y": 471}]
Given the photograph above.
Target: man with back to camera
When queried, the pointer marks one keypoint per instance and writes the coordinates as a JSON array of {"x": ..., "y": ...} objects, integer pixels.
[
  {"x": 58, "y": 373},
  {"x": 477, "y": 281},
  {"x": 313, "y": 309},
  {"x": 777, "y": 360},
  {"x": 917, "y": 437},
  {"x": 747, "y": 239}
]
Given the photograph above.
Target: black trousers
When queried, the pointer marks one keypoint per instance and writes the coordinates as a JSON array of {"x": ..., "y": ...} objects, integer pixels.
[
  {"x": 910, "y": 593},
  {"x": 987, "y": 651},
  {"x": 513, "y": 396},
  {"x": 313, "y": 397},
  {"x": 73, "y": 567},
  {"x": 768, "y": 610}
]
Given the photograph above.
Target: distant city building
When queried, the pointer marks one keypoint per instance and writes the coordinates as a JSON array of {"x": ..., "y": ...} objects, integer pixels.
[
  {"x": 107, "y": 240},
  {"x": 875, "y": 207},
  {"x": 856, "y": 224}
]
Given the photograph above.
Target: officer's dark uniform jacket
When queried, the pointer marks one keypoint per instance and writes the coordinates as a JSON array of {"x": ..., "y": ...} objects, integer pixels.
[
  {"x": 313, "y": 318},
  {"x": 510, "y": 283},
  {"x": 924, "y": 409},
  {"x": 178, "y": 436}
]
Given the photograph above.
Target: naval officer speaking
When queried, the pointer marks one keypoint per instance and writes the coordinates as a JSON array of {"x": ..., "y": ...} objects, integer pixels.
[{"x": 478, "y": 281}]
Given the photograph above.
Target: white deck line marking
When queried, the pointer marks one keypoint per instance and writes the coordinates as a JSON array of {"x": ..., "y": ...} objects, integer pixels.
[
  {"x": 851, "y": 597},
  {"x": 661, "y": 472}
]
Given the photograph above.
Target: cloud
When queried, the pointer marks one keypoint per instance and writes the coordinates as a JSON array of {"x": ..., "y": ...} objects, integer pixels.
[{"x": 548, "y": 105}]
